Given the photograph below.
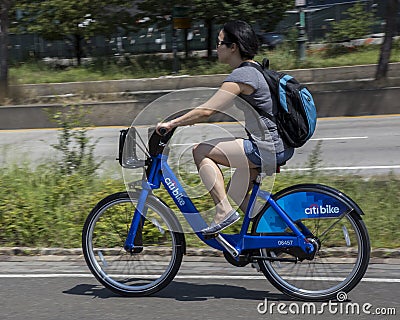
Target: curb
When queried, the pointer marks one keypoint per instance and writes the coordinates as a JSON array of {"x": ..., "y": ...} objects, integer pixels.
[
  {"x": 382, "y": 253},
  {"x": 29, "y": 251}
]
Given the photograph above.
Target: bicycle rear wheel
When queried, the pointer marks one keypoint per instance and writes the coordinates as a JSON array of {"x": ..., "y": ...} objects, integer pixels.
[
  {"x": 132, "y": 274},
  {"x": 342, "y": 256}
]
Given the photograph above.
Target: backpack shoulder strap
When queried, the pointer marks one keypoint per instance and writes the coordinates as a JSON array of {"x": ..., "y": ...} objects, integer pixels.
[
  {"x": 254, "y": 65},
  {"x": 260, "y": 68}
]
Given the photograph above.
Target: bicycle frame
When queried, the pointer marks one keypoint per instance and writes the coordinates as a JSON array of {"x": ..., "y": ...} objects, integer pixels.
[{"x": 160, "y": 172}]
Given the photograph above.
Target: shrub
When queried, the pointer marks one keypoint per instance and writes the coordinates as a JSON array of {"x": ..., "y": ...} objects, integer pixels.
[
  {"x": 357, "y": 25},
  {"x": 74, "y": 145}
]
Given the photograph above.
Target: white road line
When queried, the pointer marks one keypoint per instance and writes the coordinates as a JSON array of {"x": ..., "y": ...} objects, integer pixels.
[
  {"x": 345, "y": 168},
  {"x": 312, "y": 139},
  {"x": 45, "y": 275},
  {"x": 338, "y": 138},
  {"x": 358, "y": 168},
  {"x": 189, "y": 277}
]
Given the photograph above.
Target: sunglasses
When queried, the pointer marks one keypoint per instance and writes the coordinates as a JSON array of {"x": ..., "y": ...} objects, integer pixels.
[{"x": 221, "y": 42}]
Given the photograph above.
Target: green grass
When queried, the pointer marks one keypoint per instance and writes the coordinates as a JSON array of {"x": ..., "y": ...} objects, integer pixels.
[
  {"x": 146, "y": 66},
  {"x": 42, "y": 209}
]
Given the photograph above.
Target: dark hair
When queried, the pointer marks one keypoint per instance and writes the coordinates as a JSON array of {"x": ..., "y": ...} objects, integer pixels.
[{"x": 243, "y": 35}]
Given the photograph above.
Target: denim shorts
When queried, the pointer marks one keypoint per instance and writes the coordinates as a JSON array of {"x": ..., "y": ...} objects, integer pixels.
[{"x": 253, "y": 154}]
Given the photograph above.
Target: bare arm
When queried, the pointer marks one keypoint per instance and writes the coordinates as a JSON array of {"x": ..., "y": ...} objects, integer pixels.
[{"x": 221, "y": 100}]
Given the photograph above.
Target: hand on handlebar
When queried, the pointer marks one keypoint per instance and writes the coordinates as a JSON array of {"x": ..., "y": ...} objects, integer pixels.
[{"x": 163, "y": 128}]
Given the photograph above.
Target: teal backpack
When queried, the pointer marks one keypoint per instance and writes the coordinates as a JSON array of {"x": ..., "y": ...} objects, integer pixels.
[{"x": 296, "y": 115}]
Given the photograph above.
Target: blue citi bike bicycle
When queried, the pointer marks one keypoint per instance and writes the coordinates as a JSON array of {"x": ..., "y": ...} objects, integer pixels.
[{"x": 308, "y": 240}]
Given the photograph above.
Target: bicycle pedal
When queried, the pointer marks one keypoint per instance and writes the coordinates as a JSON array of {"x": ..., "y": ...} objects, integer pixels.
[
  {"x": 256, "y": 266},
  {"x": 137, "y": 249}
]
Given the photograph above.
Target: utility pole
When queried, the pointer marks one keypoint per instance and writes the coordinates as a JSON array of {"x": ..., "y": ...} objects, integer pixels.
[
  {"x": 180, "y": 20},
  {"x": 392, "y": 8},
  {"x": 301, "y": 40}
]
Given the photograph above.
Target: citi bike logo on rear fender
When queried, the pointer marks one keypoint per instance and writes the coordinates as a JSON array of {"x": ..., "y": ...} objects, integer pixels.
[
  {"x": 316, "y": 209},
  {"x": 177, "y": 194}
]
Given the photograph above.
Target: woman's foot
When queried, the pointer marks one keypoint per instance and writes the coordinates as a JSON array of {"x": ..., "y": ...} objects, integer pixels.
[{"x": 230, "y": 219}]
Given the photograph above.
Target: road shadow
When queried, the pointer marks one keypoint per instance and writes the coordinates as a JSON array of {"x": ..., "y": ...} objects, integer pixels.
[
  {"x": 184, "y": 291},
  {"x": 96, "y": 291}
]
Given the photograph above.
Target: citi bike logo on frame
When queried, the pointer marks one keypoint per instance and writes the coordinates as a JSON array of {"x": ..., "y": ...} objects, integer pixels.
[
  {"x": 317, "y": 209},
  {"x": 177, "y": 194}
]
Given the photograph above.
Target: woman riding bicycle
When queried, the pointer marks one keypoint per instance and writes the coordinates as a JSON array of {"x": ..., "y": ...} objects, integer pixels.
[{"x": 236, "y": 43}]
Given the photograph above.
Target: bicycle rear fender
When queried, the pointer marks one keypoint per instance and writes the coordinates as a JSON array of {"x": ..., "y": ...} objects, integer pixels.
[{"x": 305, "y": 201}]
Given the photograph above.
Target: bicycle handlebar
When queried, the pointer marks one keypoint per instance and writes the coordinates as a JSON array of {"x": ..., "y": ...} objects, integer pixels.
[
  {"x": 163, "y": 131},
  {"x": 158, "y": 140}
]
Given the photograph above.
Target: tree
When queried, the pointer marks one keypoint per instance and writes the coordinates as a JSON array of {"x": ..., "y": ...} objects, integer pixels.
[
  {"x": 357, "y": 24},
  {"x": 390, "y": 28},
  {"x": 4, "y": 21},
  {"x": 74, "y": 19},
  {"x": 266, "y": 13}
]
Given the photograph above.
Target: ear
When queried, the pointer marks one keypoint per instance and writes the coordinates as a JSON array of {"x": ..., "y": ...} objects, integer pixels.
[{"x": 234, "y": 47}]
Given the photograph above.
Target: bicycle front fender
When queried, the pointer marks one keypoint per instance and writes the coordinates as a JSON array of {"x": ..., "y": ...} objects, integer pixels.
[
  {"x": 306, "y": 201},
  {"x": 159, "y": 205}
]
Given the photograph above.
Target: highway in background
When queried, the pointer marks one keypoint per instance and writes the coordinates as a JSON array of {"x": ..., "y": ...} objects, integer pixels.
[{"x": 363, "y": 145}]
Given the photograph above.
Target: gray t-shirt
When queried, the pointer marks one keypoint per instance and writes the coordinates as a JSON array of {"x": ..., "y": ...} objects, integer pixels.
[{"x": 260, "y": 99}]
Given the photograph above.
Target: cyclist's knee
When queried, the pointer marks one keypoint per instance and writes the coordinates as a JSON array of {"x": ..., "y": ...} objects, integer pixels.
[
  {"x": 200, "y": 151},
  {"x": 195, "y": 152}
]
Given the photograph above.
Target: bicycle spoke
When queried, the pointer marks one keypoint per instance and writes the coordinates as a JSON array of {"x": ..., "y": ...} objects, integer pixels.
[
  {"x": 137, "y": 273},
  {"x": 336, "y": 222}
]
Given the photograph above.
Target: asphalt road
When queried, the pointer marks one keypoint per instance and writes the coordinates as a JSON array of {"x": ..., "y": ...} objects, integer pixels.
[
  {"x": 364, "y": 145},
  {"x": 52, "y": 287}
]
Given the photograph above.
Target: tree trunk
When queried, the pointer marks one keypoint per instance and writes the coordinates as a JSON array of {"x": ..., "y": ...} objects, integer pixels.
[
  {"x": 5, "y": 5},
  {"x": 78, "y": 48},
  {"x": 209, "y": 26},
  {"x": 186, "y": 42},
  {"x": 390, "y": 28}
]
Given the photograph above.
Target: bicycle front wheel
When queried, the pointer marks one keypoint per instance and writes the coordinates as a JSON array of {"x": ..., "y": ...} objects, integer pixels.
[
  {"x": 158, "y": 256},
  {"x": 341, "y": 242}
]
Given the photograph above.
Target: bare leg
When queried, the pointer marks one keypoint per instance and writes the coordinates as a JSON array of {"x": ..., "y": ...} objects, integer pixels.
[
  {"x": 237, "y": 188},
  {"x": 229, "y": 153},
  {"x": 213, "y": 179}
]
